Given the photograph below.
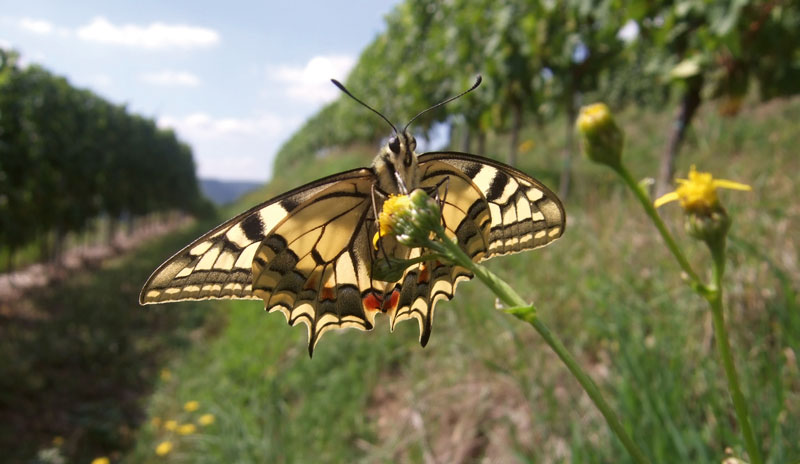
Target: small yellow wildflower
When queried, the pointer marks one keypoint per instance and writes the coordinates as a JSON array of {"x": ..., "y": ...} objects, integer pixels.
[
  {"x": 187, "y": 429},
  {"x": 525, "y": 146},
  {"x": 164, "y": 448},
  {"x": 101, "y": 460},
  {"x": 171, "y": 425},
  {"x": 388, "y": 216},
  {"x": 206, "y": 419},
  {"x": 191, "y": 406},
  {"x": 166, "y": 374},
  {"x": 58, "y": 440},
  {"x": 155, "y": 422},
  {"x": 698, "y": 193}
]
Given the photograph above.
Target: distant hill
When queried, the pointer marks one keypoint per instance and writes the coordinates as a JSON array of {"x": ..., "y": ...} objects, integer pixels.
[{"x": 223, "y": 192}]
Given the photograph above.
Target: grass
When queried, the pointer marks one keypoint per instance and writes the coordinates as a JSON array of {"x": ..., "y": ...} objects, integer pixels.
[{"x": 486, "y": 388}]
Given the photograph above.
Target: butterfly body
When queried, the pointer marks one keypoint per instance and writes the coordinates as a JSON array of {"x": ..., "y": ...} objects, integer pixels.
[{"x": 309, "y": 253}]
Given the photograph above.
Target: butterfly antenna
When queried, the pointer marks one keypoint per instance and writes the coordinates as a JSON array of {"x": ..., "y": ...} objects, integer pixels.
[
  {"x": 474, "y": 86},
  {"x": 347, "y": 92}
]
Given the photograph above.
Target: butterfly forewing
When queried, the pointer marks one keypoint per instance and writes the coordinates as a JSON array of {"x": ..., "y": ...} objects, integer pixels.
[
  {"x": 219, "y": 264},
  {"x": 524, "y": 213}
]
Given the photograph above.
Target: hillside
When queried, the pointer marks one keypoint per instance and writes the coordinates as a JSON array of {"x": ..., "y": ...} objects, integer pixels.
[{"x": 223, "y": 192}]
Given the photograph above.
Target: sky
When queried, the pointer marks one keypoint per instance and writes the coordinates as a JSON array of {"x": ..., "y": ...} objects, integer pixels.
[{"x": 234, "y": 79}]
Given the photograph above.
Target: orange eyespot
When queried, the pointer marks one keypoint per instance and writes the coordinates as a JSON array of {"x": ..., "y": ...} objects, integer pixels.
[
  {"x": 327, "y": 293},
  {"x": 424, "y": 274},
  {"x": 375, "y": 301}
]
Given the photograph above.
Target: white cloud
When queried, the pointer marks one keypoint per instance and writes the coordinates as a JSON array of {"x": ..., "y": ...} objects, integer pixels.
[
  {"x": 233, "y": 148},
  {"x": 171, "y": 78},
  {"x": 312, "y": 82},
  {"x": 154, "y": 36},
  {"x": 204, "y": 126},
  {"x": 37, "y": 26}
]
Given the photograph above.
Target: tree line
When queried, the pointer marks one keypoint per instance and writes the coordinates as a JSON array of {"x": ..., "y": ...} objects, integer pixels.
[
  {"x": 67, "y": 157},
  {"x": 540, "y": 59}
]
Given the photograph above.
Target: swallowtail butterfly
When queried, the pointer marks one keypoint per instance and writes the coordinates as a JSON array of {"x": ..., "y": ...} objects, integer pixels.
[{"x": 309, "y": 253}]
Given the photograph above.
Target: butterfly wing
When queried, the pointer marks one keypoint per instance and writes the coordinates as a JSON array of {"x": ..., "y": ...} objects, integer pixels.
[
  {"x": 219, "y": 264},
  {"x": 524, "y": 213},
  {"x": 490, "y": 209}
]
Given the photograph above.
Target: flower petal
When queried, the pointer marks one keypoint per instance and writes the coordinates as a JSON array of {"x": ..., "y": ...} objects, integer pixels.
[
  {"x": 666, "y": 198},
  {"x": 729, "y": 184}
]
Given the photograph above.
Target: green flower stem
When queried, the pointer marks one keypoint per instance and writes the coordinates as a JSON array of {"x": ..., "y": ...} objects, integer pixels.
[
  {"x": 527, "y": 313},
  {"x": 714, "y": 298},
  {"x": 647, "y": 204}
]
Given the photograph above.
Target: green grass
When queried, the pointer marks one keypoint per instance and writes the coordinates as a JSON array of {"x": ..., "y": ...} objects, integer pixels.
[{"x": 486, "y": 388}]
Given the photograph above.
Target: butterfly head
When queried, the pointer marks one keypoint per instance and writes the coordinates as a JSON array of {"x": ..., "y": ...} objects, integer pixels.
[{"x": 396, "y": 164}]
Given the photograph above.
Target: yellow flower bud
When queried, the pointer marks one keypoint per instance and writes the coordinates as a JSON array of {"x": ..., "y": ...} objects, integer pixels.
[
  {"x": 602, "y": 139},
  {"x": 393, "y": 207},
  {"x": 191, "y": 406}
]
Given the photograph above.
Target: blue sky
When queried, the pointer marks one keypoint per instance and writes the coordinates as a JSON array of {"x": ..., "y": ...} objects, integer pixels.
[{"x": 234, "y": 79}]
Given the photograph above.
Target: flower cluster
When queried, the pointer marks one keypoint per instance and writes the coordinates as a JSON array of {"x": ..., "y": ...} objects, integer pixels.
[{"x": 171, "y": 429}]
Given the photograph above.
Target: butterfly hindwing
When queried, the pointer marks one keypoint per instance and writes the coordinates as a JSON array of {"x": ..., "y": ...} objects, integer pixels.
[
  {"x": 524, "y": 213},
  {"x": 465, "y": 215},
  {"x": 219, "y": 264}
]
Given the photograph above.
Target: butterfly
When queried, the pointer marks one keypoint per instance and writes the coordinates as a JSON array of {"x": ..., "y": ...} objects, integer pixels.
[{"x": 311, "y": 252}]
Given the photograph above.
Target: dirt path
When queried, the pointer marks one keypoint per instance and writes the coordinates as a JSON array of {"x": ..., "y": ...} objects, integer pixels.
[{"x": 15, "y": 285}]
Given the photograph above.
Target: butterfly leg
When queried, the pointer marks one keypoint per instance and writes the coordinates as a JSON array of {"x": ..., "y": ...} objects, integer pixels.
[
  {"x": 376, "y": 213},
  {"x": 440, "y": 200}
]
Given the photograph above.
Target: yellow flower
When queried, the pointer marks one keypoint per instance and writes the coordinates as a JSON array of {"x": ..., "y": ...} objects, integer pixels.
[
  {"x": 163, "y": 448},
  {"x": 206, "y": 419},
  {"x": 166, "y": 374},
  {"x": 101, "y": 460},
  {"x": 58, "y": 440},
  {"x": 525, "y": 146},
  {"x": 191, "y": 406},
  {"x": 394, "y": 205},
  {"x": 171, "y": 425},
  {"x": 155, "y": 422},
  {"x": 698, "y": 193},
  {"x": 187, "y": 429}
]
